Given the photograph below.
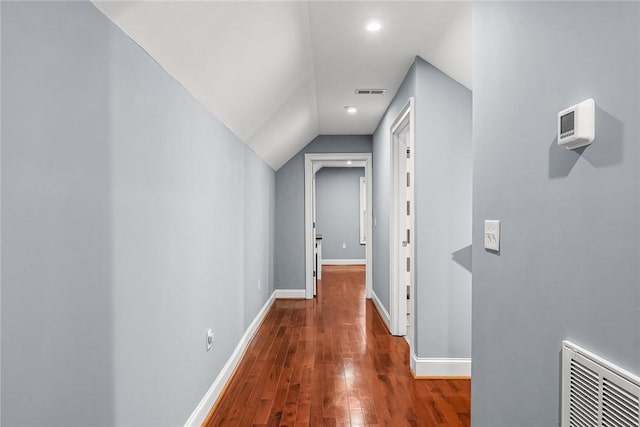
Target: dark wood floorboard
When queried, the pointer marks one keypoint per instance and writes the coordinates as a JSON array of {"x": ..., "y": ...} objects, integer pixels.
[{"x": 332, "y": 362}]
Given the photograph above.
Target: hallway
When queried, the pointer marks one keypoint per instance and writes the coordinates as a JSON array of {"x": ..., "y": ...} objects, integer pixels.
[{"x": 331, "y": 361}]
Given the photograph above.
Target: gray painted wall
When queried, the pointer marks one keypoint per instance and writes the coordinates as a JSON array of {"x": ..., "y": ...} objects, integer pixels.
[
  {"x": 442, "y": 209},
  {"x": 57, "y": 305},
  {"x": 338, "y": 212},
  {"x": 259, "y": 216},
  {"x": 569, "y": 262},
  {"x": 132, "y": 222},
  {"x": 381, "y": 186},
  {"x": 0, "y": 215},
  {"x": 443, "y": 214},
  {"x": 289, "y": 237}
]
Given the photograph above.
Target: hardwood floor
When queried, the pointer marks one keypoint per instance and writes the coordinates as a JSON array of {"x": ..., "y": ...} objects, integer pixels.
[{"x": 331, "y": 362}]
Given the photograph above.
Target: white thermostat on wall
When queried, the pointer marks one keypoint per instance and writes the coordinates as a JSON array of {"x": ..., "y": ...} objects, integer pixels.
[{"x": 576, "y": 125}]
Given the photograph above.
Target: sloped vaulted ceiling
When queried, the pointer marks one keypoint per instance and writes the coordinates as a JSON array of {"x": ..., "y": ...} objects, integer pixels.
[{"x": 280, "y": 73}]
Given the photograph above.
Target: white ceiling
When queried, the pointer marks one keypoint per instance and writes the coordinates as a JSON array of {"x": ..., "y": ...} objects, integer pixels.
[{"x": 280, "y": 73}]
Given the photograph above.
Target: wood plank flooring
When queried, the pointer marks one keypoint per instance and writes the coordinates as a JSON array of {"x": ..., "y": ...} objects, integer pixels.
[{"x": 332, "y": 362}]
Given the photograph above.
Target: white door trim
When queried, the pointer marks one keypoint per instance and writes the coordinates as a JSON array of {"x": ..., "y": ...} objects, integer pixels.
[
  {"x": 398, "y": 293},
  {"x": 312, "y": 163}
]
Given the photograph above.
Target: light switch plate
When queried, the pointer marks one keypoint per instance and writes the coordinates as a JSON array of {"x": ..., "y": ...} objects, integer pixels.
[{"x": 492, "y": 235}]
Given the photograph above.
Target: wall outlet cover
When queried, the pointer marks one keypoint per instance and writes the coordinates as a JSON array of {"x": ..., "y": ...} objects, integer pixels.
[
  {"x": 210, "y": 339},
  {"x": 492, "y": 235}
]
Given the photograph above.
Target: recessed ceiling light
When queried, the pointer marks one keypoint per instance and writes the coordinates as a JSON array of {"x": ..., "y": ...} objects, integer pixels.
[
  {"x": 351, "y": 109},
  {"x": 349, "y": 162},
  {"x": 374, "y": 26}
]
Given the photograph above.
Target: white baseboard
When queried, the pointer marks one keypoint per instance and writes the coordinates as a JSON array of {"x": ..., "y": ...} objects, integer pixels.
[
  {"x": 344, "y": 262},
  {"x": 440, "y": 367},
  {"x": 289, "y": 293},
  {"x": 204, "y": 407},
  {"x": 384, "y": 314}
]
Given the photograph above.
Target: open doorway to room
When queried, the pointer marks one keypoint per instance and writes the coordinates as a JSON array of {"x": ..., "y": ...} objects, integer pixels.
[
  {"x": 339, "y": 217},
  {"x": 356, "y": 244}
]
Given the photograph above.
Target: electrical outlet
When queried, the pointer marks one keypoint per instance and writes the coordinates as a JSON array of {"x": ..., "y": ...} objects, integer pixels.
[
  {"x": 492, "y": 235},
  {"x": 259, "y": 284},
  {"x": 344, "y": 246},
  {"x": 210, "y": 339}
]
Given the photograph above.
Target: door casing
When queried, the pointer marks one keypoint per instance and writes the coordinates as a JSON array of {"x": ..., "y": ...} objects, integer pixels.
[
  {"x": 312, "y": 163},
  {"x": 397, "y": 291}
]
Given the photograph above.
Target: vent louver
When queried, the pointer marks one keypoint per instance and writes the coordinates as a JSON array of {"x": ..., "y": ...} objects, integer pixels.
[
  {"x": 619, "y": 408},
  {"x": 370, "y": 91},
  {"x": 583, "y": 400},
  {"x": 597, "y": 393}
]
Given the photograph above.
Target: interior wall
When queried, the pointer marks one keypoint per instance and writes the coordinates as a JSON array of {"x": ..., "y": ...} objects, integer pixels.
[
  {"x": 382, "y": 186},
  {"x": 569, "y": 266},
  {"x": 442, "y": 209},
  {"x": 258, "y": 230},
  {"x": 57, "y": 305},
  {"x": 0, "y": 215},
  {"x": 127, "y": 215},
  {"x": 289, "y": 236},
  {"x": 443, "y": 164},
  {"x": 338, "y": 212}
]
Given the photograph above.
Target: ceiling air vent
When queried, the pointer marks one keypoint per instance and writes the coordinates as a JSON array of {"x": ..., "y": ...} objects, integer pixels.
[
  {"x": 370, "y": 91},
  {"x": 596, "y": 392}
]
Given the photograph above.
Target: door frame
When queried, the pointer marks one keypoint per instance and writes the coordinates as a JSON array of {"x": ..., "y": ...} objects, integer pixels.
[
  {"x": 397, "y": 291},
  {"x": 312, "y": 163}
]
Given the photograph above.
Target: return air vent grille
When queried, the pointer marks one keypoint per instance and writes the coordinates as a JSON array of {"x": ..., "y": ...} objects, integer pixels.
[
  {"x": 370, "y": 91},
  {"x": 619, "y": 408},
  {"x": 583, "y": 396},
  {"x": 597, "y": 393}
]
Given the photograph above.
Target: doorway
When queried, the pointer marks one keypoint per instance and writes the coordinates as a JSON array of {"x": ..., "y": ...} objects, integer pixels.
[
  {"x": 313, "y": 163},
  {"x": 402, "y": 253}
]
